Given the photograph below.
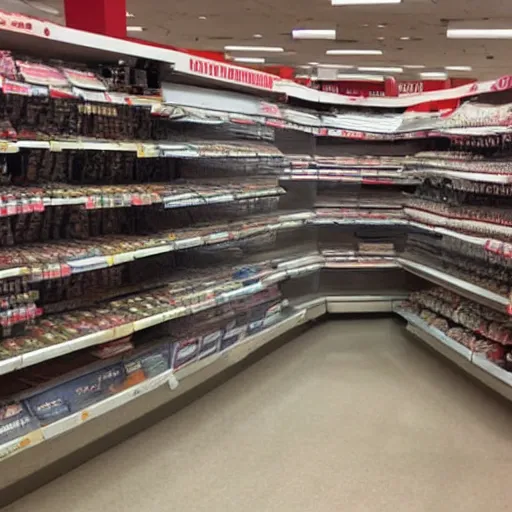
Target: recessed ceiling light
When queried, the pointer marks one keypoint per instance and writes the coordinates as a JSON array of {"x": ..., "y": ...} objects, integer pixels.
[
  {"x": 202, "y": 17},
  {"x": 433, "y": 74},
  {"x": 353, "y": 52},
  {"x": 365, "y": 25},
  {"x": 130, "y": 15},
  {"x": 405, "y": 38},
  {"x": 361, "y": 77},
  {"x": 458, "y": 68},
  {"x": 414, "y": 66},
  {"x": 381, "y": 25},
  {"x": 135, "y": 29},
  {"x": 382, "y": 69},
  {"x": 479, "y": 33},
  {"x": 313, "y": 34},
  {"x": 381, "y": 38},
  {"x": 334, "y": 66},
  {"x": 257, "y": 36},
  {"x": 364, "y": 2},
  {"x": 250, "y": 60},
  {"x": 269, "y": 49}
]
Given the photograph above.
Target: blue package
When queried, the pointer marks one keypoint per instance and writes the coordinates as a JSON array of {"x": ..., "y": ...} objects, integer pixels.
[
  {"x": 76, "y": 394},
  {"x": 15, "y": 421},
  {"x": 210, "y": 343}
]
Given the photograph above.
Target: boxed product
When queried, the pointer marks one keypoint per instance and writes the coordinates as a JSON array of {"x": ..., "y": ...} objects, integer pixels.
[
  {"x": 72, "y": 396},
  {"x": 15, "y": 421}
]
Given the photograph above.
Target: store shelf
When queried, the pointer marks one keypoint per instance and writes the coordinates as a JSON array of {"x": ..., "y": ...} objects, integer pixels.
[
  {"x": 474, "y": 364},
  {"x": 173, "y": 241},
  {"x": 464, "y": 288},
  {"x": 482, "y": 177},
  {"x": 362, "y": 303},
  {"x": 172, "y": 382},
  {"x": 469, "y": 225},
  {"x": 417, "y": 322}
]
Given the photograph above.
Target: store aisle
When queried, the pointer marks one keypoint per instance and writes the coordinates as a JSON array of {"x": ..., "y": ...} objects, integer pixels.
[{"x": 351, "y": 416}]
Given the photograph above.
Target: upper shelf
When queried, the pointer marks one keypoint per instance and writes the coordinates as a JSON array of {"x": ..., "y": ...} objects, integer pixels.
[{"x": 24, "y": 33}]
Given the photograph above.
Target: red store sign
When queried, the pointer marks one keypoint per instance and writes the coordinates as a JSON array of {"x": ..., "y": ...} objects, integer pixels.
[
  {"x": 372, "y": 89},
  {"x": 242, "y": 76}
]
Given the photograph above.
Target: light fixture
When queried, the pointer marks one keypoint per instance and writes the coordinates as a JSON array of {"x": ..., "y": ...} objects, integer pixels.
[
  {"x": 334, "y": 66},
  {"x": 353, "y": 52},
  {"x": 458, "y": 68},
  {"x": 257, "y": 36},
  {"x": 479, "y": 33},
  {"x": 381, "y": 38},
  {"x": 405, "y": 38},
  {"x": 414, "y": 66},
  {"x": 360, "y": 77},
  {"x": 381, "y": 25},
  {"x": 202, "y": 18},
  {"x": 313, "y": 63},
  {"x": 135, "y": 29},
  {"x": 130, "y": 15},
  {"x": 269, "y": 49},
  {"x": 364, "y": 2},
  {"x": 433, "y": 74},
  {"x": 313, "y": 34},
  {"x": 250, "y": 60},
  {"x": 383, "y": 69}
]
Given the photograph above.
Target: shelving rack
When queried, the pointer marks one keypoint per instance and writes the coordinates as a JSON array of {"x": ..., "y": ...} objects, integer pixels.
[{"x": 249, "y": 207}]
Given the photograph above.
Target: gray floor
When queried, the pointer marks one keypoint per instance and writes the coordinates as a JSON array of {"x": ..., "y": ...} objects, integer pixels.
[{"x": 351, "y": 416}]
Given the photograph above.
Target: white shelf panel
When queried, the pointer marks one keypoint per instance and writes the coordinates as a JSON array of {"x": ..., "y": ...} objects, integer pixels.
[
  {"x": 170, "y": 378},
  {"x": 436, "y": 333},
  {"x": 362, "y": 303},
  {"x": 469, "y": 290},
  {"x": 482, "y": 177}
]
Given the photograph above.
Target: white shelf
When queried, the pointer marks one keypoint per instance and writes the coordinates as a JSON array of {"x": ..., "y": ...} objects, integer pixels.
[
  {"x": 469, "y": 290},
  {"x": 362, "y": 303},
  {"x": 436, "y": 333},
  {"x": 482, "y": 177},
  {"x": 171, "y": 379},
  {"x": 476, "y": 365}
]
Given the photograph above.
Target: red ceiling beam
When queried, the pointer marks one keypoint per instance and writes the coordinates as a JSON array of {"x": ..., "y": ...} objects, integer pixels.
[{"x": 107, "y": 17}]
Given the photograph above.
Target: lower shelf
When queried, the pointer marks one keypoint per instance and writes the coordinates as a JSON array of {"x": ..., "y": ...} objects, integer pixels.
[
  {"x": 475, "y": 364},
  {"x": 362, "y": 303}
]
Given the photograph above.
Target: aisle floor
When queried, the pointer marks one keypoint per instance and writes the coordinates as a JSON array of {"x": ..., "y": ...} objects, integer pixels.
[{"x": 351, "y": 416}]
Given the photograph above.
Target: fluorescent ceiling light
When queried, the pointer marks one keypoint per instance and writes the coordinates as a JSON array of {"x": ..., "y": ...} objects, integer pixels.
[
  {"x": 458, "y": 68},
  {"x": 313, "y": 34},
  {"x": 361, "y": 77},
  {"x": 334, "y": 66},
  {"x": 353, "y": 52},
  {"x": 479, "y": 33},
  {"x": 135, "y": 29},
  {"x": 433, "y": 74},
  {"x": 414, "y": 66},
  {"x": 364, "y": 2},
  {"x": 405, "y": 38},
  {"x": 130, "y": 15},
  {"x": 250, "y": 60},
  {"x": 381, "y": 69},
  {"x": 269, "y": 49}
]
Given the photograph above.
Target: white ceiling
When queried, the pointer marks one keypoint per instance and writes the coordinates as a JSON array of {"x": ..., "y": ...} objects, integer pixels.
[{"x": 234, "y": 22}]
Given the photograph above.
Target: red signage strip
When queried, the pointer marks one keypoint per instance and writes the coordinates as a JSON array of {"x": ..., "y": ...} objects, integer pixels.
[{"x": 243, "y": 76}]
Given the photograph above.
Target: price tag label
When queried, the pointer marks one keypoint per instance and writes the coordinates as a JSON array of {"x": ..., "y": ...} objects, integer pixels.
[
  {"x": 109, "y": 260},
  {"x": 173, "y": 382},
  {"x": 55, "y": 146},
  {"x": 4, "y": 147}
]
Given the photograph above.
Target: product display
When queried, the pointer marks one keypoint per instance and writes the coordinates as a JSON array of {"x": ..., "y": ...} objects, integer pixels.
[{"x": 161, "y": 220}]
